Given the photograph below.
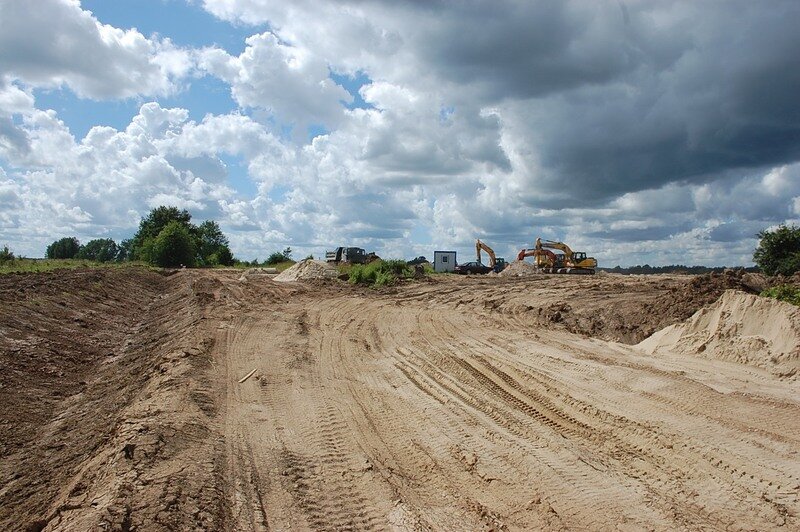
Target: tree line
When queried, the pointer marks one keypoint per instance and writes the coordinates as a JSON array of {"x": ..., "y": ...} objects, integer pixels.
[{"x": 166, "y": 237}]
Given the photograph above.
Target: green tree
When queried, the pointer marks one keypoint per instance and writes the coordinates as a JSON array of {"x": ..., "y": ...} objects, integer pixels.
[
  {"x": 152, "y": 225},
  {"x": 125, "y": 250},
  {"x": 174, "y": 246},
  {"x": 99, "y": 249},
  {"x": 212, "y": 245},
  {"x": 778, "y": 251},
  {"x": 6, "y": 255},
  {"x": 65, "y": 248}
]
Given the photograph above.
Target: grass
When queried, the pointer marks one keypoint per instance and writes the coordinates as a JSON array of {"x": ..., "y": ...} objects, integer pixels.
[
  {"x": 22, "y": 265},
  {"x": 279, "y": 266},
  {"x": 380, "y": 272},
  {"x": 784, "y": 292}
]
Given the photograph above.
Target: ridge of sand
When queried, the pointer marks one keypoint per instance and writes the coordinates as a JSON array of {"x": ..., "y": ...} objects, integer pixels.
[
  {"x": 306, "y": 270},
  {"x": 739, "y": 327}
]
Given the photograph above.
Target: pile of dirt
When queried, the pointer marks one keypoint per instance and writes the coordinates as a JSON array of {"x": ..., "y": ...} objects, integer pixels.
[
  {"x": 520, "y": 268},
  {"x": 251, "y": 272},
  {"x": 307, "y": 270},
  {"x": 739, "y": 327}
]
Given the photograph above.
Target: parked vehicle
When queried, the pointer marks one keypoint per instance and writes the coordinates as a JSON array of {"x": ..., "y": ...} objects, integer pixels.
[{"x": 471, "y": 267}]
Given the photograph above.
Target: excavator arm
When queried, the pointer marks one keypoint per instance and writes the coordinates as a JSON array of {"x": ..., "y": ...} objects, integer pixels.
[{"x": 489, "y": 251}]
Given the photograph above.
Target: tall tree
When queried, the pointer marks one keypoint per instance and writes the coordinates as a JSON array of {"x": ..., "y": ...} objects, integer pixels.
[
  {"x": 64, "y": 248},
  {"x": 778, "y": 251},
  {"x": 99, "y": 249},
  {"x": 174, "y": 246},
  {"x": 212, "y": 245},
  {"x": 150, "y": 227}
]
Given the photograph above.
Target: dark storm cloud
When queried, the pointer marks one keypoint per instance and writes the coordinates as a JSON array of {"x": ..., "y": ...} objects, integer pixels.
[
  {"x": 624, "y": 99},
  {"x": 736, "y": 231},
  {"x": 640, "y": 234}
]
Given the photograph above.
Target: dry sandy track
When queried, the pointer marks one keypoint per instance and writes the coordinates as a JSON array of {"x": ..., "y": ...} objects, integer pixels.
[
  {"x": 411, "y": 412},
  {"x": 459, "y": 404}
]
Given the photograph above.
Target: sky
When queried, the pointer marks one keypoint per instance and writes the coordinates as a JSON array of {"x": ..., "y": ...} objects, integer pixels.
[{"x": 639, "y": 131}]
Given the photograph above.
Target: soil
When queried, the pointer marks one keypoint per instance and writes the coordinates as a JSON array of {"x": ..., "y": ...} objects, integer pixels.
[{"x": 207, "y": 401}]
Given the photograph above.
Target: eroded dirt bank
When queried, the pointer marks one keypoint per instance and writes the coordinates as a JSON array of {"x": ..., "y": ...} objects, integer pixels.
[{"x": 457, "y": 404}]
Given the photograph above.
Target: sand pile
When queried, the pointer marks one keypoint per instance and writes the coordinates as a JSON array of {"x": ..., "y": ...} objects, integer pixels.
[
  {"x": 308, "y": 269},
  {"x": 519, "y": 268},
  {"x": 250, "y": 272},
  {"x": 739, "y": 327}
]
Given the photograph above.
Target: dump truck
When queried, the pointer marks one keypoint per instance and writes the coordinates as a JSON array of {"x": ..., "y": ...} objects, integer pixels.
[{"x": 351, "y": 255}]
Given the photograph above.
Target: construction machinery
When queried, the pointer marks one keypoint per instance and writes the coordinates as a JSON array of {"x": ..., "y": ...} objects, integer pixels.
[
  {"x": 350, "y": 255},
  {"x": 543, "y": 258},
  {"x": 575, "y": 262},
  {"x": 496, "y": 263}
]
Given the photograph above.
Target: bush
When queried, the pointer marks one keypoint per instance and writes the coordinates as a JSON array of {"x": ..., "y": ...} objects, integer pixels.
[
  {"x": 778, "y": 251},
  {"x": 279, "y": 256},
  {"x": 210, "y": 247},
  {"x": 65, "y": 248},
  {"x": 785, "y": 292},
  {"x": 380, "y": 272},
  {"x": 6, "y": 255},
  {"x": 173, "y": 246},
  {"x": 99, "y": 249}
]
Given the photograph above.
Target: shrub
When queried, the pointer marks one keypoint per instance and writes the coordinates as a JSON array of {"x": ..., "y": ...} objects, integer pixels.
[
  {"x": 65, "y": 248},
  {"x": 380, "y": 272},
  {"x": 785, "y": 292},
  {"x": 99, "y": 249},
  {"x": 778, "y": 251},
  {"x": 6, "y": 255},
  {"x": 279, "y": 256},
  {"x": 173, "y": 246}
]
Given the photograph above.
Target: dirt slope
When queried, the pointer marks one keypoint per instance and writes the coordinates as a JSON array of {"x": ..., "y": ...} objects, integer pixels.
[
  {"x": 453, "y": 404},
  {"x": 738, "y": 327}
]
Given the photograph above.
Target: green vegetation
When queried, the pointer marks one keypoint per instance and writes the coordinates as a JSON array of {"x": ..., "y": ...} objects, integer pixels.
[
  {"x": 100, "y": 250},
  {"x": 278, "y": 257},
  {"x": 173, "y": 247},
  {"x": 785, "y": 292},
  {"x": 778, "y": 251},
  {"x": 23, "y": 265},
  {"x": 6, "y": 256},
  {"x": 65, "y": 248},
  {"x": 183, "y": 244},
  {"x": 380, "y": 272}
]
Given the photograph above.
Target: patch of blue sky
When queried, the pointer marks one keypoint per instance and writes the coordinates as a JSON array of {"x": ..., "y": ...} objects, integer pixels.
[
  {"x": 185, "y": 22},
  {"x": 279, "y": 193},
  {"x": 238, "y": 176},
  {"x": 205, "y": 95},
  {"x": 315, "y": 130},
  {"x": 200, "y": 97},
  {"x": 352, "y": 84},
  {"x": 81, "y": 115}
]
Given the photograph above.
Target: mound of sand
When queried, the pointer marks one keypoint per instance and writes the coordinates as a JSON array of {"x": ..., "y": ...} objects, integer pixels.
[
  {"x": 307, "y": 270},
  {"x": 250, "y": 272},
  {"x": 519, "y": 268},
  {"x": 739, "y": 327}
]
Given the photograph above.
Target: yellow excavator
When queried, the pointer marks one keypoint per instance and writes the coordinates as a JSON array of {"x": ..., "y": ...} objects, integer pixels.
[
  {"x": 497, "y": 264},
  {"x": 575, "y": 262}
]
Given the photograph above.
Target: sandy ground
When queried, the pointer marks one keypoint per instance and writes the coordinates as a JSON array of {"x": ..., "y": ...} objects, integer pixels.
[{"x": 453, "y": 404}]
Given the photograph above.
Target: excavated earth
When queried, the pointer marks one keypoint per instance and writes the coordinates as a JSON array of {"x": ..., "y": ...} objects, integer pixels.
[{"x": 211, "y": 400}]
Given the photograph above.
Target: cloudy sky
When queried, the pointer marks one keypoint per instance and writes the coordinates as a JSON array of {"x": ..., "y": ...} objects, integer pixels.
[{"x": 639, "y": 131}]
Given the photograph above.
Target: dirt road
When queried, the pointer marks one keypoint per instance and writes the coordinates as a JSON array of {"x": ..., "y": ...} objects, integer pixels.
[{"x": 449, "y": 405}]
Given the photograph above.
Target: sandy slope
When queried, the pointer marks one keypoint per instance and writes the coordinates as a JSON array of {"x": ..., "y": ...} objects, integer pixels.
[{"x": 459, "y": 404}]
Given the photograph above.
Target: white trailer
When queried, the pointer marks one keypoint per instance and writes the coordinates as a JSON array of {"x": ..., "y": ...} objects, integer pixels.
[{"x": 444, "y": 261}]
